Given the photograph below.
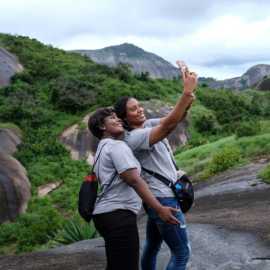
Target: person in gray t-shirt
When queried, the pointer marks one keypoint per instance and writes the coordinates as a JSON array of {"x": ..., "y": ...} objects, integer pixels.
[
  {"x": 118, "y": 172},
  {"x": 147, "y": 139}
]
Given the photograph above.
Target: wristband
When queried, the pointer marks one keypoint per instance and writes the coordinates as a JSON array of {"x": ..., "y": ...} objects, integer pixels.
[{"x": 188, "y": 94}]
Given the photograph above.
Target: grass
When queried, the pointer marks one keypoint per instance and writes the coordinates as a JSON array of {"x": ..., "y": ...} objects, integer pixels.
[
  {"x": 265, "y": 174},
  {"x": 222, "y": 154}
]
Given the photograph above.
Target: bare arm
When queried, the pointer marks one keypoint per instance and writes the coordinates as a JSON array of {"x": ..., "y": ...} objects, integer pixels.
[
  {"x": 169, "y": 122},
  {"x": 133, "y": 179}
]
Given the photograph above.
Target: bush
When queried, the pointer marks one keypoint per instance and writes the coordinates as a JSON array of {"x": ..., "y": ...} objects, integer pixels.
[
  {"x": 204, "y": 120},
  {"x": 248, "y": 129},
  {"x": 73, "y": 231},
  {"x": 73, "y": 94},
  {"x": 229, "y": 106},
  {"x": 37, "y": 228},
  {"x": 8, "y": 233},
  {"x": 224, "y": 159},
  {"x": 265, "y": 174}
]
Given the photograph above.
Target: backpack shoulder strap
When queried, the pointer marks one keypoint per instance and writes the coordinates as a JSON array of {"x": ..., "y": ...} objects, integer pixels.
[
  {"x": 93, "y": 167},
  {"x": 111, "y": 180}
]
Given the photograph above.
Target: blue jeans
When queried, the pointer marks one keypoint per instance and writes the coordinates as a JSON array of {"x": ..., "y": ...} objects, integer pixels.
[{"x": 175, "y": 237}]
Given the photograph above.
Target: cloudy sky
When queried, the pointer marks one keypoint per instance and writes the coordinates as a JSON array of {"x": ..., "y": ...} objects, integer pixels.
[{"x": 219, "y": 39}]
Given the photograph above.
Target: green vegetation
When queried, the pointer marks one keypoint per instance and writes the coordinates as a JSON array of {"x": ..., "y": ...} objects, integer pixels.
[
  {"x": 211, "y": 158},
  {"x": 265, "y": 174},
  {"x": 73, "y": 231},
  {"x": 56, "y": 89}
]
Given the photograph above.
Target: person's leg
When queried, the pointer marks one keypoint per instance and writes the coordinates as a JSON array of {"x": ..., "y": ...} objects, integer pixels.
[
  {"x": 175, "y": 237},
  {"x": 119, "y": 230},
  {"x": 151, "y": 247}
]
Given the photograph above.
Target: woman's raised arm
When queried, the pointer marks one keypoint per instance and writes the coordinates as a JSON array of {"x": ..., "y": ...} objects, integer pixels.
[{"x": 168, "y": 123}]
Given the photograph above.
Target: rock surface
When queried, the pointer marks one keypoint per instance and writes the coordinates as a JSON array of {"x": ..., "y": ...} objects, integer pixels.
[
  {"x": 14, "y": 188},
  {"x": 14, "y": 184},
  {"x": 220, "y": 246},
  {"x": 236, "y": 199},
  {"x": 139, "y": 60},
  {"x": 79, "y": 141},
  {"x": 9, "y": 65}
]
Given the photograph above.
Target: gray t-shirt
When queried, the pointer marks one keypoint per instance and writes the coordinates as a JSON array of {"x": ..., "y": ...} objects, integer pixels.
[
  {"x": 155, "y": 158},
  {"x": 115, "y": 156}
]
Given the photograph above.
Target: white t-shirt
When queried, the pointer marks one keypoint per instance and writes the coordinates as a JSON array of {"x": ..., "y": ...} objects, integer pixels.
[
  {"x": 156, "y": 158},
  {"x": 115, "y": 157}
]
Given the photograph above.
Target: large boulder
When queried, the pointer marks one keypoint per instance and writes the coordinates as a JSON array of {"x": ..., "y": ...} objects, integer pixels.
[
  {"x": 79, "y": 141},
  {"x": 82, "y": 144},
  {"x": 15, "y": 188},
  {"x": 9, "y": 65}
]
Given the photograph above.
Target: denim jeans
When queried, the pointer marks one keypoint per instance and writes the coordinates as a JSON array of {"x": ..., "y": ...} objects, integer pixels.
[{"x": 175, "y": 236}]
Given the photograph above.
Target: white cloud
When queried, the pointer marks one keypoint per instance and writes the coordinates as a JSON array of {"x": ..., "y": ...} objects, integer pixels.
[{"x": 217, "y": 38}]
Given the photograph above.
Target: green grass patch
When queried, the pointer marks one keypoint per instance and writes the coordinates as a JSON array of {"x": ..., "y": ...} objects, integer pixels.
[
  {"x": 211, "y": 158},
  {"x": 265, "y": 174}
]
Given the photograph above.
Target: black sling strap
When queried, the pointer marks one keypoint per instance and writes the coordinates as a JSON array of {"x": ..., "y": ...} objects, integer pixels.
[
  {"x": 111, "y": 180},
  {"x": 160, "y": 177}
]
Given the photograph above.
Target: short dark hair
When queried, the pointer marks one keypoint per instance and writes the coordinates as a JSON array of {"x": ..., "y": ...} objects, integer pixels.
[
  {"x": 96, "y": 120},
  {"x": 120, "y": 108}
]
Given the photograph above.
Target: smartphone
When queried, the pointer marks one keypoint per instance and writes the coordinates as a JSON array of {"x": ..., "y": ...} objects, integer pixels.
[{"x": 182, "y": 66}]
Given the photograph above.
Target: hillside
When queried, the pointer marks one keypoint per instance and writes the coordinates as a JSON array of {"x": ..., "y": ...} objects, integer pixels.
[
  {"x": 139, "y": 60},
  {"x": 56, "y": 89},
  {"x": 249, "y": 79}
]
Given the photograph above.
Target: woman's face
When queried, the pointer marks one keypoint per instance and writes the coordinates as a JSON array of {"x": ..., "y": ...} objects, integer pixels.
[
  {"x": 135, "y": 113},
  {"x": 113, "y": 126}
]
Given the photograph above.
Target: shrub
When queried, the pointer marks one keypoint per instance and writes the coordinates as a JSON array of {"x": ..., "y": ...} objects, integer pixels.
[
  {"x": 73, "y": 231},
  {"x": 265, "y": 174},
  {"x": 224, "y": 159},
  {"x": 204, "y": 120},
  {"x": 229, "y": 106},
  {"x": 8, "y": 232},
  {"x": 73, "y": 94},
  {"x": 37, "y": 228},
  {"x": 247, "y": 129}
]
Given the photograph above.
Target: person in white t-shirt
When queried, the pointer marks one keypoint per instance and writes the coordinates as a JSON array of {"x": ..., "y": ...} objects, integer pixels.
[
  {"x": 147, "y": 139},
  {"x": 118, "y": 172}
]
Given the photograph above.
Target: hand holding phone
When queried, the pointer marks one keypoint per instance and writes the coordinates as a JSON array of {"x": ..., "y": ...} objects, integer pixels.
[
  {"x": 183, "y": 67},
  {"x": 189, "y": 78}
]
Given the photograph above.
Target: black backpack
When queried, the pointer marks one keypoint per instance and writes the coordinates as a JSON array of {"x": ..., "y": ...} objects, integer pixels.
[{"x": 89, "y": 192}]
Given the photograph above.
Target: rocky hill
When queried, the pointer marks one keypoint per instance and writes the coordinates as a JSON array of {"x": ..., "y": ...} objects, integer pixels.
[
  {"x": 139, "y": 60},
  {"x": 249, "y": 79}
]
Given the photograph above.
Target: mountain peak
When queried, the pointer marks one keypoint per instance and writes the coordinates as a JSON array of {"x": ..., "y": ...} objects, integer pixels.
[
  {"x": 140, "y": 61},
  {"x": 126, "y": 48}
]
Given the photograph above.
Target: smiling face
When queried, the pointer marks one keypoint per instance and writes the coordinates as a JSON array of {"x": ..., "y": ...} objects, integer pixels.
[
  {"x": 113, "y": 126},
  {"x": 134, "y": 113}
]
